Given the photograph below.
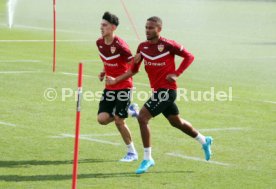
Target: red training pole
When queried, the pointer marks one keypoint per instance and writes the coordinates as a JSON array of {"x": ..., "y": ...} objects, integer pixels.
[
  {"x": 76, "y": 148},
  {"x": 131, "y": 20},
  {"x": 55, "y": 35}
]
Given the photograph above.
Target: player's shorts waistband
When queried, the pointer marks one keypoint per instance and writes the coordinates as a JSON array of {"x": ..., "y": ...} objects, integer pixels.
[{"x": 164, "y": 89}]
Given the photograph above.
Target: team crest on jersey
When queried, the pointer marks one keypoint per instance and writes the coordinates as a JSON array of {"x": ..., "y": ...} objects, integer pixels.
[
  {"x": 112, "y": 49},
  {"x": 160, "y": 47}
]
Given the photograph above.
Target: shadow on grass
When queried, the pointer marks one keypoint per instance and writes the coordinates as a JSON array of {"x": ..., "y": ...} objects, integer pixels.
[
  {"x": 16, "y": 164},
  {"x": 17, "y": 178}
]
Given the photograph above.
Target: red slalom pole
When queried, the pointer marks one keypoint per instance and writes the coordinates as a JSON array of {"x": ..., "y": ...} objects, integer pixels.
[
  {"x": 54, "y": 35},
  {"x": 76, "y": 148}
]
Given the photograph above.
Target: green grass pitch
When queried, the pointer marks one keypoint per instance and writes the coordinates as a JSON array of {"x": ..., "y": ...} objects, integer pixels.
[{"x": 234, "y": 43}]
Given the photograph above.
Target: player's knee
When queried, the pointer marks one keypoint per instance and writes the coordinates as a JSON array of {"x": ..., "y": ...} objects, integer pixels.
[
  {"x": 143, "y": 117},
  {"x": 142, "y": 120},
  {"x": 102, "y": 120}
]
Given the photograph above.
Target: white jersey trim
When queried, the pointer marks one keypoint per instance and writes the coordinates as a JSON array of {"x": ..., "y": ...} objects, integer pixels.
[
  {"x": 155, "y": 57},
  {"x": 110, "y": 57}
]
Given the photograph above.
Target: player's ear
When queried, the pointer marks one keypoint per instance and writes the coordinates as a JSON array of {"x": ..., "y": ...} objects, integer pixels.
[
  {"x": 114, "y": 27},
  {"x": 159, "y": 29}
]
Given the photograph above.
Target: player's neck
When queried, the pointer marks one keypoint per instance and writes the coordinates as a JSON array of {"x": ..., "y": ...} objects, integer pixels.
[
  {"x": 155, "y": 40},
  {"x": 108, "y": 40}
]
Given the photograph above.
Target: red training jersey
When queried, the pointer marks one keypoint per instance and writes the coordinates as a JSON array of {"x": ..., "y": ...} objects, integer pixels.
[
  {"x": 159, "y": 60},
  {"x": 115, "y": 58}
]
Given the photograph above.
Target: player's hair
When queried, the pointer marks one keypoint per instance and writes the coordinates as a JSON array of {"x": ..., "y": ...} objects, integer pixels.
[
  {"x": 156, "y": 19},
  {"x": 111, "y": 18}
]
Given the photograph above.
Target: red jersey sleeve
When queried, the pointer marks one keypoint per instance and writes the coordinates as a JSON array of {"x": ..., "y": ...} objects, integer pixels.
[
  {"x": 98, "y": 42},
  {"x": 181, "y": 51},
  {"x": 125, "y": 52},
  {"x": 136, "y": 66}
]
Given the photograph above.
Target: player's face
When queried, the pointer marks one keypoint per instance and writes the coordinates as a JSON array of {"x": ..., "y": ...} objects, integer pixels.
[
  {"x": 152, "y": 30},
  {"x": 107, "y": 28}
]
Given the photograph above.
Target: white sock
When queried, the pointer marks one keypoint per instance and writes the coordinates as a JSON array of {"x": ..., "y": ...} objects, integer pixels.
[
  {"x": 131, "y": 148},
  {"x": 147, "y": 153},
  {"x": 200, "y": 138}
]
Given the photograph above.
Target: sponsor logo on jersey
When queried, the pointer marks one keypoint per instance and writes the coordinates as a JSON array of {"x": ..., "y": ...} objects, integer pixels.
[
  {"x": 159, "y": 64},
  {"x": 112, "y": 49},
  {"x": 110, "y": 64},
  {"x": 160, "y": 47}
]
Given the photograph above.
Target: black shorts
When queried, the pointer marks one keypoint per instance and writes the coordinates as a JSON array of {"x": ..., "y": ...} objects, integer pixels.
[
  {"x": 115, "y": 102},
  {"x": 162, "y": 101}
]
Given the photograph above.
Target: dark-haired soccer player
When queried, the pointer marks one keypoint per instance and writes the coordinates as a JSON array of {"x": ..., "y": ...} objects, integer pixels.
[
  {"x": 117, "y": 59},
  {"x": 159, "y": 59}
]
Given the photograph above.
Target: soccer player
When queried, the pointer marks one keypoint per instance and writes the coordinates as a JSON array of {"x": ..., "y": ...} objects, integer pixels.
[
  {"x": 159, "y": 59},
  {"x": 117, "y": 59}
]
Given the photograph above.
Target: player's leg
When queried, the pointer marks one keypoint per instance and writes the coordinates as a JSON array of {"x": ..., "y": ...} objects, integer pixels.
[
  {"x": 106, "y": 108},
  {"x": 153, "y": 107},
  {"x": 123, "y": 129},
  {"x": 121, "y": 114},
  {"x": 143, "y": 120},
  {"x": 172, "y": 114},
  {"x": 105, "y": 118}
]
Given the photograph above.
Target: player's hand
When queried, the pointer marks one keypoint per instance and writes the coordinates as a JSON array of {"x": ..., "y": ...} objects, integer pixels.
[
  {"x": 110, "y": 80},
  {"x": 171, "y": 77},
  {"x": 101, "y": 76},
  {"x": 137, "y": 58}
]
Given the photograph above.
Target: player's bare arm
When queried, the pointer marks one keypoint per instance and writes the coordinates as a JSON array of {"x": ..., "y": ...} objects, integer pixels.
[
  {"x": 113, "y": 81},
  {"x": 101, "y": 75},
  {"x": 186, "y": 62},
  {"x": 171, "y": 77}
]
